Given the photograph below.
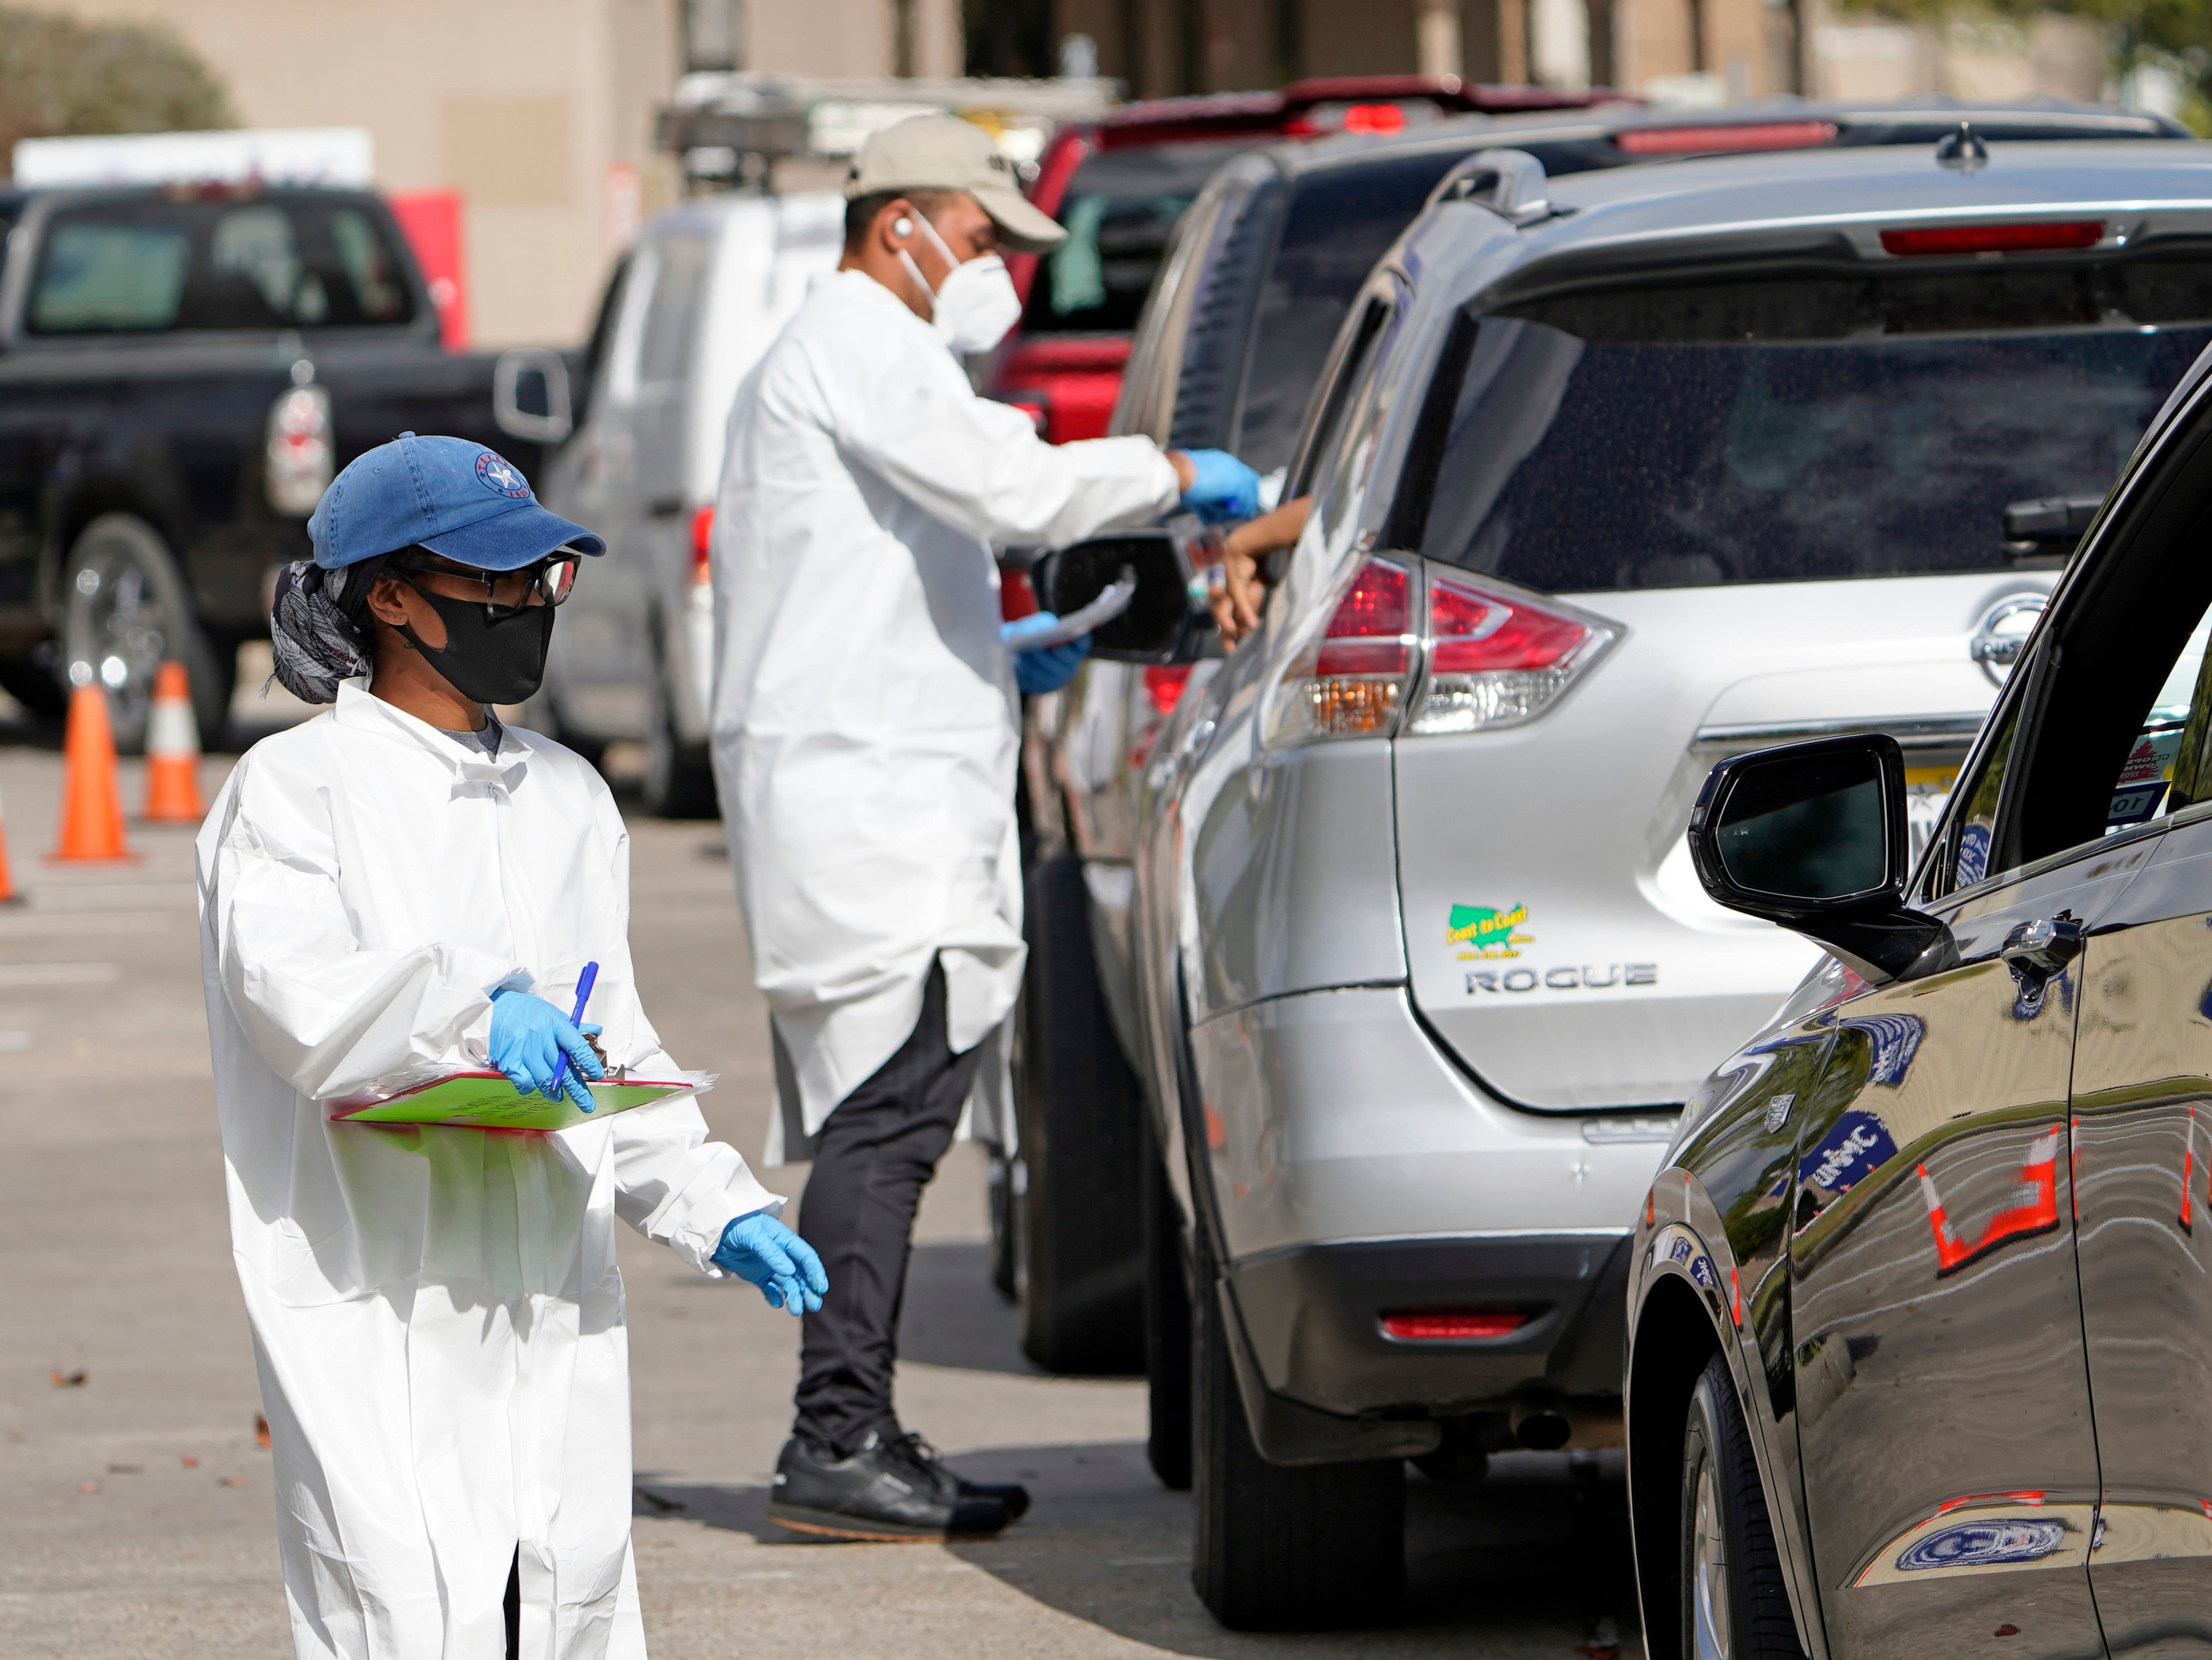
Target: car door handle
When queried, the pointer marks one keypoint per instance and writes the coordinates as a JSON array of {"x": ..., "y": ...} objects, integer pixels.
[{"x": 2037, "y": 950}]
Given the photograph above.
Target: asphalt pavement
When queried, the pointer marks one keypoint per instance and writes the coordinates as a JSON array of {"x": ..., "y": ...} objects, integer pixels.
[{"x": 136, "y": 1510}]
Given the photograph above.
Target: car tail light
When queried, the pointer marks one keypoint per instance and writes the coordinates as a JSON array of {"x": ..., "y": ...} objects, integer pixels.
[
  {"x": 1497, "y": 658},
  {"x": 2045, "y": 238},
  {"x": 702, "y": 543},
  {"x": 1375, "y": 118},
  {"x": 300, "y": 457},
  {"x": 1349, "y": 678},
  {"x": 1164, "y": 684},
  {"x": 1721, "y": 139},
  {"x": 1453, "y": 1325}
]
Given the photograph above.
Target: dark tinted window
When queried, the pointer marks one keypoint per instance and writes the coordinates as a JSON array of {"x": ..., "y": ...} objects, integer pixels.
[
  {"x": 1119, "y": 209},
  {"x": 1339, "y": 223},
  {"x": 1788, "y": 431},
  {"x": 146, "y": 266}
]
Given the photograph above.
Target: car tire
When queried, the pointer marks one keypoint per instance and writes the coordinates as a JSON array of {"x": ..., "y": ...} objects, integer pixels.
[
  {"x": 126, "y": 603},
  {"x": 32, "y": 681},
  {"x": 1735, "y": 1602},
  {"x": 1167, "y": 1330},
  {"x": 679, "y": 777},
  {"x": 1282, "y": 1547},
  {"x": 1078, "y": 1198}
]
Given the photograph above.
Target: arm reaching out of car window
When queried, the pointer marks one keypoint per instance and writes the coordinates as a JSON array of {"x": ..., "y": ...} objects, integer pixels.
[{"x": 1236, "y": 601}]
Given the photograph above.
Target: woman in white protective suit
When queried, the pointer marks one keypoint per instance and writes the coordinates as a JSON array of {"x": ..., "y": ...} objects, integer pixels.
[{"x": 389, "y": 892}]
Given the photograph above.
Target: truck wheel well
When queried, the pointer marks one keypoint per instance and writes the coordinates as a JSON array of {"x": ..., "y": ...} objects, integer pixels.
[{"x": 1675, "y": 1339}]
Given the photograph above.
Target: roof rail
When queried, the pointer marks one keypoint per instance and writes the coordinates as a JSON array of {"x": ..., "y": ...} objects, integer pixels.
[{"x": 1511, "y": 183}]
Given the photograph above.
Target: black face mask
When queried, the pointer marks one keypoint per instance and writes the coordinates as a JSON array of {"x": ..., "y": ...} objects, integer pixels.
[{"x": 485, "y": 662}]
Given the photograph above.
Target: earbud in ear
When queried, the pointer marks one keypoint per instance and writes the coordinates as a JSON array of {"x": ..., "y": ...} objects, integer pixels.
[{"x": 902, "y": 227}]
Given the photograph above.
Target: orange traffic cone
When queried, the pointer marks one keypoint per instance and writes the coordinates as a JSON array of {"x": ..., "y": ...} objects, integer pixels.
[
  {"x": 172, "y": 751},
  {"x": 92, "y": 805},
  {"x": 7, "y": 893}
]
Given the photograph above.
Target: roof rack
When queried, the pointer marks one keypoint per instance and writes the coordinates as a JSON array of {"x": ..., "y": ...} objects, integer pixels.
[{"x": 1511, "y": 183}]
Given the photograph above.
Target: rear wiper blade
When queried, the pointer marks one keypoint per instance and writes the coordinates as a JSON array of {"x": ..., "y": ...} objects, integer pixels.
[{"x": 2038, "y": 526}]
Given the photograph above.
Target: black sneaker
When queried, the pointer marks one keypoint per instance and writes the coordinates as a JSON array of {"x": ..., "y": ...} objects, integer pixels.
[
  {"x": 931, "y": 1463},
  {"x": 881, "y": 1492}
]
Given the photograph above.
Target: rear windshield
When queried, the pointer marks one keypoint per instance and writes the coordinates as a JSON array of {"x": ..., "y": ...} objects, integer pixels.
[
  {"x": 1118, "y": 212},
  {"x": 1788, "y": 431},
  {"x": 1339, "y": 222},
  {"x": 148, "y": 266}
]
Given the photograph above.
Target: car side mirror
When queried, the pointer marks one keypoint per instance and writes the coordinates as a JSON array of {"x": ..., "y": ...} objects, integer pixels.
[
  {"x": 530, "y": 395},
  {"x": 1812, "y": 836},
  {"x": 1163, "y": 623}
]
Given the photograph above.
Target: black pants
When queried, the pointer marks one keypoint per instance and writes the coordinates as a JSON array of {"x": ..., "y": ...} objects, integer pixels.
[{"x": 874, "y": 1154}]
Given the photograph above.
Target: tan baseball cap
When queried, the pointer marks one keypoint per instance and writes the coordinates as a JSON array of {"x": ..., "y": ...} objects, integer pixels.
[{"x": 944, "y": 153}]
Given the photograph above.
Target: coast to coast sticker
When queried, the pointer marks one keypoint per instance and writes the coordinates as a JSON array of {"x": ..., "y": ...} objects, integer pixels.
[{"x": 1488, "y": 929}]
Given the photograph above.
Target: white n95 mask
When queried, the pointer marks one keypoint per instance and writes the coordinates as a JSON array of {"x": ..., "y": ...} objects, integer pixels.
[{"x": 975, "y": 305}]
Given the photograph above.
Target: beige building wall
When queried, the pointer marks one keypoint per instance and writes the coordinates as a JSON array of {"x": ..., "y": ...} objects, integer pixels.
[{"x": 527, "y": 107}]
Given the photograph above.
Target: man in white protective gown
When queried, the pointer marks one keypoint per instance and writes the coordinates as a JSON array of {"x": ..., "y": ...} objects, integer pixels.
[
  {"x": 865, "y": 726},
  {"x": 399, "y": 889}
]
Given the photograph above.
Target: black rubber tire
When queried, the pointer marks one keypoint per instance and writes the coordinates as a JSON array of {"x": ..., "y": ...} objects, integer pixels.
[
  {"x": 1760, "y": 1623},
  {"x": 1282, "y": 1548},
  {"x": 31, "y": 680},
  {"x": 1078, "y": 1197},
  {"x": 679, "y": 777},
  {"x": 999, "y": 1197},
  {"x": 1167, "y": 1329},
  {"x": 156, "y": 622}
]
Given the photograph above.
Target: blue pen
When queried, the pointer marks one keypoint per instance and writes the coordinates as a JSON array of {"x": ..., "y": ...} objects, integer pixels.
[{"x": 584, "y": 983}]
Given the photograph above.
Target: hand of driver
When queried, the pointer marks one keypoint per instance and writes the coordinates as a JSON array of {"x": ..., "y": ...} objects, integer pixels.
[
  {"x": 763, "y": 1252},
  {"x": 1236, "y": 601},
  {"x": 529, "y": 1036},
  {"x": 1039, "y": 669}
]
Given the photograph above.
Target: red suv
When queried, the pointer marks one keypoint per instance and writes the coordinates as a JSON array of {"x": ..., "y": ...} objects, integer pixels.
[{"x": 1119, "y": 184}]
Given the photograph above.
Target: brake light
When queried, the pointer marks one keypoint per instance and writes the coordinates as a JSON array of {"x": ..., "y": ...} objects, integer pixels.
[
  {"x": 1725, "y": 139},
  {"x": 702, "y": 543},
  {"x": 1164, "y": 684},
  {"x": 1450, "y": 1325},
  {"x": 1497, "y": 659},
  {"x": 1351, "y": 681},
  {"x": 1375, "y": 118},
  {"x": 2073, "y": 233}
]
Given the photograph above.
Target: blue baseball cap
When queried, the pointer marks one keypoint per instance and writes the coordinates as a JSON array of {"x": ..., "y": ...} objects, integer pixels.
[{"x": 458, "y": 499}]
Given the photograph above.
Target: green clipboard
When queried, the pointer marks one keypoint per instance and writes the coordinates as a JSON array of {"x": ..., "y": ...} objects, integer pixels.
[{"x": 486, "y": 1100}]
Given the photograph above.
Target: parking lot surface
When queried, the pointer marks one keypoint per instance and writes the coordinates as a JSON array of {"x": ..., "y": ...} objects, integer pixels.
[{"x": 135, "y": 1502}]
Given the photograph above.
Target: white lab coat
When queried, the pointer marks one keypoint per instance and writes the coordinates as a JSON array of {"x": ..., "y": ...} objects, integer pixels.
[
  {"x": 865, "y": 714},
  {"x": 437, "y": 1315}
]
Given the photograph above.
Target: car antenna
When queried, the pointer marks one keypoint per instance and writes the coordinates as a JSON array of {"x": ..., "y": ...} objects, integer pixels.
[{"x": 1963, "y": 149}]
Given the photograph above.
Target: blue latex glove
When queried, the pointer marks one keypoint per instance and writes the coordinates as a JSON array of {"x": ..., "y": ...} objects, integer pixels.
[
  {"x": 762, "y": 1250},
  {"x": 528, "y": 1037},
  {"x": 1225, "y": 489},
  {"x": 1039, "y": 669}
]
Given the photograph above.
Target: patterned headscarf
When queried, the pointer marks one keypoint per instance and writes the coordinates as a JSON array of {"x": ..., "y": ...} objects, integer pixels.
[{"x": 317, "y": 634}]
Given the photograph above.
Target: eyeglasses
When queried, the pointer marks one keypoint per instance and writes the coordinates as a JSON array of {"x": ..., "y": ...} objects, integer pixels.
[{"x": 508, "y": 593}]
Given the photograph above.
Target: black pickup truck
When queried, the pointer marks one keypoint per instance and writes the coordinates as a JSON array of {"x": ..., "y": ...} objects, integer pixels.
[{"x": 181, "y": 372}]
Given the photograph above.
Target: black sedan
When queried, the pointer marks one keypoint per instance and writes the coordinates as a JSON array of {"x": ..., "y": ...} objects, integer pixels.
[{"x": 1920, "y": 1310}]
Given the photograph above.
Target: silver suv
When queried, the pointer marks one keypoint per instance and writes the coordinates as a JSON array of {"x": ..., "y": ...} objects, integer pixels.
[{"x": 1614, "y": 476}]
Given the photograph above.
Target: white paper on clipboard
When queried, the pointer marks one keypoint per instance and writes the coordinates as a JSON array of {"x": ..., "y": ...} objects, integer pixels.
[{"x": 1112, "y": 601}]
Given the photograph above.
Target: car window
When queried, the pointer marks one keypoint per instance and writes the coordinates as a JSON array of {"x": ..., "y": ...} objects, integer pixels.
[
  {"x": 2106, "y": 726},
  {"x": 1120, "y": 211},
  {"x": 666, "y": 347},
  {"x": 1338, "y": 224},
  {"x": 1341, "y": 480},
  {"x": 151, "y": 266},
  {"x": 1348, "y": 373},
  {"x": 1147, "y": 401},
  {"x": 1790, "y": 431},
  {"x": 601, "y": 348}
]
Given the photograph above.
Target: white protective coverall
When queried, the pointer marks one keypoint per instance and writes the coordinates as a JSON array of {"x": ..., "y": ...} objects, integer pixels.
[
  {"x": 437, "y": 1315},
  {"x": 866, "y": 719}
]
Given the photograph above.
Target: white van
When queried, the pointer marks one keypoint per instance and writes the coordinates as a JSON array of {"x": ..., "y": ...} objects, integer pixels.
[{"x": 687, "y": 312}]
